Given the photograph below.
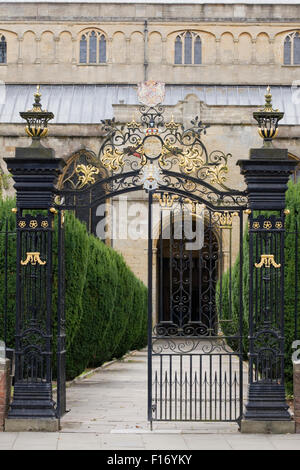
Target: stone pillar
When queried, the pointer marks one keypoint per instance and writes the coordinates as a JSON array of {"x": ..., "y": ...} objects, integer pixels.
[
  {"x": 74, "y": 49},
  {"x": 235, "y": 51},
  {"x": 272, "y": 52},
  {"x": 253, "y": 51},
  {"x": 5, "y": 388},
  {"x": 297, "y": 394},
  {"x": 266, "y": 174},
  {"x": 35, "y": 171},
  {"x": 218, "y": 51},
  {"x": 56, "y": 45},
  {"x": 127, "y": 50},
  {"x": 20, "y": 40},
  {"x": 109, "y": 50},
  {"x": 37, "y": 53},
  {"x": 164, "y": 50}
]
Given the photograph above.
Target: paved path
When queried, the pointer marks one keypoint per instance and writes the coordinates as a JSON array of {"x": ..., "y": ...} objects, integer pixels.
[{"x": 108, "y": 411}]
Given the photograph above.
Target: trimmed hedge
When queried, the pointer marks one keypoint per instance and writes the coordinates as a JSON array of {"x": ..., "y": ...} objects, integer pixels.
[
  {"x": 293, "y": 204},
  {"x": 105, "y": 304}
]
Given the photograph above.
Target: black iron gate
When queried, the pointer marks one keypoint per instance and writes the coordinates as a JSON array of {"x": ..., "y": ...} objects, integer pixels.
[
  {"x": 195, "y": 293},
  {"x": 196, "y": 348}
]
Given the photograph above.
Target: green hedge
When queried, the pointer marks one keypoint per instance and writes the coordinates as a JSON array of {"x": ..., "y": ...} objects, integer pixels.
[
  {"x": 105, "y": 304},
  {"x": 232, "y": 312}
]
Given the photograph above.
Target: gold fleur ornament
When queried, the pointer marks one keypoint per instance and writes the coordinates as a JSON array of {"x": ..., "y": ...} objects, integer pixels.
[{"x": 87, "y": 176}]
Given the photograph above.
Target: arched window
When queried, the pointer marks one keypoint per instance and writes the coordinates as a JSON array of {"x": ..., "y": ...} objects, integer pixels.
[
  {"x": 92, "y": 49},
  {"x": 178, "y": 50},
  {"x": 197, "y": 50},
  {"x": 83, "y": 50},
  {"x": 188, "y": 49},
  {"x": 3, "y": 50},
  {"x": 291, "y": 49}
]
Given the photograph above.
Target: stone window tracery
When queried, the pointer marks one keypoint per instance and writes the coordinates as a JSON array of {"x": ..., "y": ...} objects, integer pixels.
[
  {"x": 291, "y": 49},
  {"x": 3, "y": 49},
  {"x": 92, "y": 48},
  {"x": 188, "y": 49}
]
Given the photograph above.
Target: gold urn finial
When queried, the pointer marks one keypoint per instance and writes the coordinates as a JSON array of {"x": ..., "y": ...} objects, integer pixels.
[
  {"x": 37, "y": 118},
  {"x": 268, "y": 104},
  {"x": 268, "y": 119}
]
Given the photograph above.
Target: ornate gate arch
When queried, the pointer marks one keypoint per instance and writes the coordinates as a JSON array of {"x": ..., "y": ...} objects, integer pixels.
[{"x": 194, "y": 369}]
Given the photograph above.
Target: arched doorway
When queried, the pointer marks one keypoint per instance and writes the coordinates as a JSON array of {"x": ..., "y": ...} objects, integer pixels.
[{"x": 187, "y": 275}]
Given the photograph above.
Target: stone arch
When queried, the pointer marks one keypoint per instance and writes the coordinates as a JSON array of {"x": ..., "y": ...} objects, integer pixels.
[
  {"x": 136, "y": 47},
  {"x": 118, "y": 47},
  {"x": 263, "y": 49},
  {"x": 65, "y": 48},
  {"x": 227, "y": 47},
  {"x": 47, "y": 47},
  {"x": 29, "y": 46},
  {"x": 245, "y": 48},
  {"x": 155, "y": 47}
]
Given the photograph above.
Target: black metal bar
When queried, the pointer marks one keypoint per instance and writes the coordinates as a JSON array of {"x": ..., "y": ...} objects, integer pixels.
[
  {"x": 150, "y": 261},
  {"x": 5, "y": 281}
]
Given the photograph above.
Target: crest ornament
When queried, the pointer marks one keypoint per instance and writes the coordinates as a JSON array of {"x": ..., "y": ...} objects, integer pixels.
[{"x": 151, "y": 93}]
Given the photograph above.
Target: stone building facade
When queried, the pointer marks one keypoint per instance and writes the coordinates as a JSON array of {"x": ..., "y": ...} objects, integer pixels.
[{"x": 215, "y": 59}]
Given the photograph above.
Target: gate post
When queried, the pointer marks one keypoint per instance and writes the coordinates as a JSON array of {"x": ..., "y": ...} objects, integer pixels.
[
  {"x": 35, "y": 171},
  {"x": 266, "y": 175}
]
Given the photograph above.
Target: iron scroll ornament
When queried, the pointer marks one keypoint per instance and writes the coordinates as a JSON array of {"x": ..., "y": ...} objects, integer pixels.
[
  {"x": 168, "y": 144},
  {"x": 179, "y": 156}
]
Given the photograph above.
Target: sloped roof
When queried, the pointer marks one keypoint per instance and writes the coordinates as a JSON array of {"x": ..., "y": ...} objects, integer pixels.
[{"x": 88, "y": 104}]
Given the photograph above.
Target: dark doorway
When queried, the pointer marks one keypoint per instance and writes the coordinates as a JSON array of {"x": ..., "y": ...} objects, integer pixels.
[{"x": 187, "y": 279}]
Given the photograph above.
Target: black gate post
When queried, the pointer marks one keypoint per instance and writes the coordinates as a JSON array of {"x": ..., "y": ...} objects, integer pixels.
[
  {"x": 35, "y": 172},
  {"x": 266, "y": 175}
]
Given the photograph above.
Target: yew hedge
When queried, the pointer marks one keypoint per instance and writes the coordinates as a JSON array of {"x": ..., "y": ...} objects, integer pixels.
[{"x": 105, "y": 304}]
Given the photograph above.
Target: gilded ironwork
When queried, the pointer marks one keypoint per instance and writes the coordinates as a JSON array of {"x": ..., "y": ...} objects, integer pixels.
[
  {"x": 33, "y": 257},
  {"x": 167, "y": 143},
  {"x": 166, "y": 199},
  {"x": 268, "y": 119},
  {"x": 33, "y": 224},
  {"x": 81, "y": 171},
  {"x": 225, "y": 218},
  {"x": 37, "y": 118},
  {"x": 86, "y": 174},
  {"x": 267, "y": 261}
]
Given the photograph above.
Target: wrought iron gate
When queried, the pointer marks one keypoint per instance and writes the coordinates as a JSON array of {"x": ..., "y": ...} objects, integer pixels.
[
  {"x": 195, "y": 303},
  {"x": 196, "y": 349}
]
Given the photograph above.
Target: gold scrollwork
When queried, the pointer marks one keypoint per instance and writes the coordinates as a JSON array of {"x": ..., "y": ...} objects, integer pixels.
[
  {"x": 267, "y": 261},
  {"x": 225, "y": 218},
  {"x": 166, "y": 200},
  {"x": 87, "y": 174},
  {"x": 112, "y": 159},
  {"x": 190, "y": 159},
  {"x": 33, "y": 257}
]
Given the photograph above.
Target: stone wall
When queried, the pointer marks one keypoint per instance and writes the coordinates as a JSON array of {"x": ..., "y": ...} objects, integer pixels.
[
  {"x": 242, "y": 44},
  {"x": 297, "y": 395},
  {"x": 5, "y": 386}
]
